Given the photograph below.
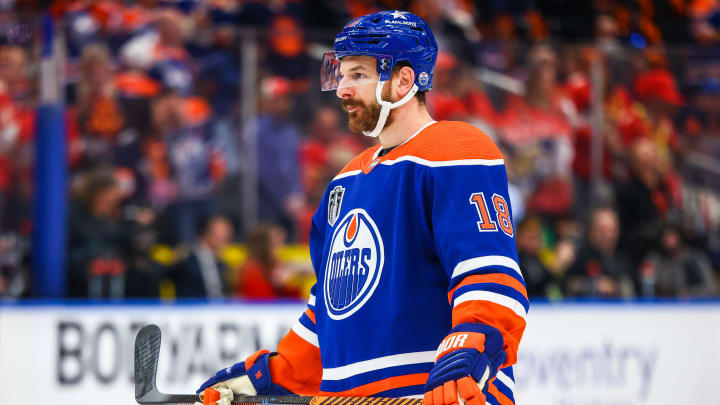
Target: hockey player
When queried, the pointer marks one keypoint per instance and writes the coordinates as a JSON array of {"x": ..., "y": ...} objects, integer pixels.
[{"x": 418, "y": 291}]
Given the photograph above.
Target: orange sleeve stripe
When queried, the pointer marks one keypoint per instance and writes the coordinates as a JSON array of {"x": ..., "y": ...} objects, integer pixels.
[
  {"x": 382, "y": 385},
  {"x": 297, "y": 366},
  {"x": 510, "y": 325},
  {"x": 497, "y": 278},
  {"x": 502, "y": 399},
  {"x": 310, "y": 314}
]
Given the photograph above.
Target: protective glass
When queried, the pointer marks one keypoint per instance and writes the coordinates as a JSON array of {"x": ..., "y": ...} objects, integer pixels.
[{"x": 332, "y": 79}]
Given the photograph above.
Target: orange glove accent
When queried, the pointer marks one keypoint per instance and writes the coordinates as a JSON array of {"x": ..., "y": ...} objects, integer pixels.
[
  {"x": 470, "y": 391},
  {"x": 450, "y": 395},
  {"x": 211, "y": 396},
  {"x": 452, "y": 391}
]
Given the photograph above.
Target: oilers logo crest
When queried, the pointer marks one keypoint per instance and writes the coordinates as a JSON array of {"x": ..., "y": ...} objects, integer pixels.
[{"x": 354, "y": 265}]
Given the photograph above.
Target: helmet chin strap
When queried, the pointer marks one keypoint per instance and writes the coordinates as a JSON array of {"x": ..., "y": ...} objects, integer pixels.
[{"x": 386, "y": 106}]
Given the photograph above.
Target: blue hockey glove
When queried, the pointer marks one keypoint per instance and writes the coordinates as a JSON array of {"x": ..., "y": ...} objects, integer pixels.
[
  {"x": 466, "y": 360},
  {"x": 249, "y": 377}
]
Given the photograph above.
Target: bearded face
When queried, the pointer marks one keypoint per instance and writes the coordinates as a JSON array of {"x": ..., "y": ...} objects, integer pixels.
[{"x": 364, "y": 115}]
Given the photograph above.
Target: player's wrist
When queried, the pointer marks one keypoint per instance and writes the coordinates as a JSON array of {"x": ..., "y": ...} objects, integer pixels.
[
  {"x": 258, "y": 371},
  {"x": 471, "y": 335},
  {"x": 249, "y": 377}
]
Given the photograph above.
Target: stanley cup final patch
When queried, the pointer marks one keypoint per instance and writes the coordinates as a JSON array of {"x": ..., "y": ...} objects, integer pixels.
[{"x": 335, "y": 203}]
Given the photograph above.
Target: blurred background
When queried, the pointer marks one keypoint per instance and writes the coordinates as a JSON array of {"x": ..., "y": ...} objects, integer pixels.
[{"x": 177, "y": 149}]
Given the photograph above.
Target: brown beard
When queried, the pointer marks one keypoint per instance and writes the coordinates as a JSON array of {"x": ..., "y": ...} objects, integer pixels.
[{"x": 366, "y": 117}]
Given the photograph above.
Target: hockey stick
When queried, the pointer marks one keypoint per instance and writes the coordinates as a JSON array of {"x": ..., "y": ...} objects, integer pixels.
[{"x": 147, "y": 354}]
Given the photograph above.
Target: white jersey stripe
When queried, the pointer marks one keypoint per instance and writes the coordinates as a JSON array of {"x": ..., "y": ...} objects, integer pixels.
[
  {"x": 485, "y": 261},
  {"x": 431, "y": 163},
  {"x": 505, "y": 379},
  {"x": 311, "y": 301},
  {"x": 306, "y": 334},
  {"x": 490, "y": 296},
  {"x": 347, "y": 174},
  {"x": 347, "y": 371}
]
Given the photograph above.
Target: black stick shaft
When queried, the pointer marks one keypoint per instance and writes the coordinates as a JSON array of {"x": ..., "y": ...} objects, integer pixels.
[{"x": 147, "y": 354}]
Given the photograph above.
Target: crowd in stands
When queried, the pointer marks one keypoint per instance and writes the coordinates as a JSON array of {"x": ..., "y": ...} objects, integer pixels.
[{"x": 607, "y": 113}]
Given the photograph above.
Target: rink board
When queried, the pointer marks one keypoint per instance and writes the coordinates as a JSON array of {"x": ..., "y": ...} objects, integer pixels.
[{"x": 587, "y": 353}]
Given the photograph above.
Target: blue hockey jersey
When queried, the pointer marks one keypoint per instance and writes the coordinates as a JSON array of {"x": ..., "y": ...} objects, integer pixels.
[{"x": 405, "y": 246}]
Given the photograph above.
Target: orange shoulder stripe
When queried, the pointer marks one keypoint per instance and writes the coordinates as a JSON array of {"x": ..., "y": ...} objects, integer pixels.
[
  {"x": 510, "y": 325},
  {"x": 310, "y": 314},
  {"x": 382, "y": 385},
  {"x": 449, "y": 140},
  {"x": 497, "y": 278},
  {"x": 297, "y": 366}
]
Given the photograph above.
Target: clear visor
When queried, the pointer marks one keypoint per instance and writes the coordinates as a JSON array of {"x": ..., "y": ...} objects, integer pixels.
[{"x": 332, "y": 79}]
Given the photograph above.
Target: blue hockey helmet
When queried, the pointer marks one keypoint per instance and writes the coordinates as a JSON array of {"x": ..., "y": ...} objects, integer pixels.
[{"x": 390, "y": 37}]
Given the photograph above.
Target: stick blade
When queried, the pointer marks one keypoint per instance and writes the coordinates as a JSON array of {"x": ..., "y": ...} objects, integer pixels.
[{"x": 147, "y": 353}]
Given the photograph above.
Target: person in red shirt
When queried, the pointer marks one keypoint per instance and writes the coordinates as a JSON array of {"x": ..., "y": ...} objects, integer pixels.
[{"x": 263, "y": 275}]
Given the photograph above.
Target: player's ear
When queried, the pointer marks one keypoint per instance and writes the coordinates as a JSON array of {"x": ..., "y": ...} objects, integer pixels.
[{"x": 405, "y": 79}]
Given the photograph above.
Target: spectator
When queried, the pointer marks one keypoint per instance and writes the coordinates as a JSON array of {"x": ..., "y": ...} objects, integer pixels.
[
  {"x": 17, "y": 127},
  {"x": 287, "y": 56},
  {"x": 457, "y": 95},
  {"x": 263, "y": 275},
  {"x": 96, "y": 239},
  {"x": 538, "y": 278},
  {"x": 161, "y": 52},
  {"x": 617, "y": 102},
  {"x": 676, "y": 270},
  {"x": 201, "y": 273},
  {"x": 600, "y": 269},
  {"x": 326, "y": 150},
  {"x": 99, "y": 114},
  {"x": 657, "y": 90},
  {"x": 642, "y": 201},
  {"x": 278, "y": 142},
  {"x": 536, "y": 134},
  {"x": 196, "y": 164},
  {"x": 143, "y": 273},
  {"x": 443, "y": 100}
]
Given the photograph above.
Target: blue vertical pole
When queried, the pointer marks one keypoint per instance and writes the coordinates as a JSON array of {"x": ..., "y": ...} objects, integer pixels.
[{"x": 50, "y": 177}]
